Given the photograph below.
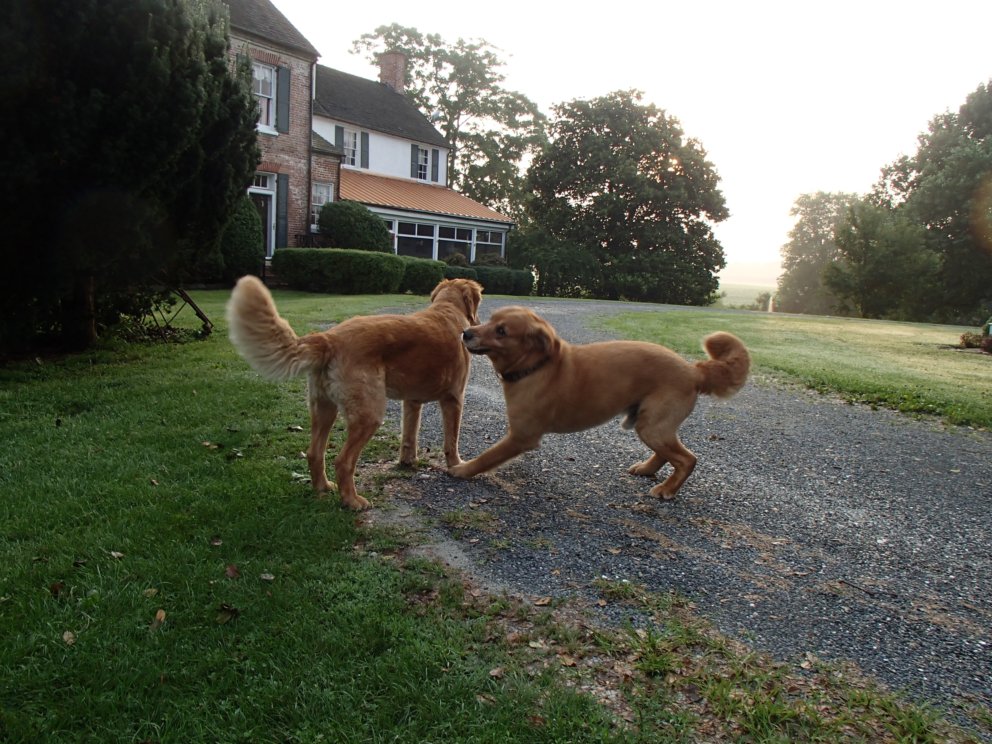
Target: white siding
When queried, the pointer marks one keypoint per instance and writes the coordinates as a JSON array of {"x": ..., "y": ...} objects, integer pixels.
[{"x": 388, "y": 155}]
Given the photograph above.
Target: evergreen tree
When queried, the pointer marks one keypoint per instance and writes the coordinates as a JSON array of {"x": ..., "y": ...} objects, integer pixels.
[{"x": 127, "y": 141}]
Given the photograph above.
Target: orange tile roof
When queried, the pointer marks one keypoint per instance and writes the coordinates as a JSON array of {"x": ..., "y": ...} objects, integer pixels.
[{"x": 384, "y": 191}]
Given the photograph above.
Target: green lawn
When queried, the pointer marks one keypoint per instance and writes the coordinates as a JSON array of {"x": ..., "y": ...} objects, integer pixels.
[
  {"x": 167, "y": 576},
  {"x": 910, "y": 367}
]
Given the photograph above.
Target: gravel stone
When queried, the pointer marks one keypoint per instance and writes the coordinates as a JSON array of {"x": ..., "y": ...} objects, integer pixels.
[{"x": 809, "y": 525}]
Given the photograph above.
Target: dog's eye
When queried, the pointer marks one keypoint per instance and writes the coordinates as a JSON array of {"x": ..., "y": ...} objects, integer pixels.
[{"x": 500, "y": 331}]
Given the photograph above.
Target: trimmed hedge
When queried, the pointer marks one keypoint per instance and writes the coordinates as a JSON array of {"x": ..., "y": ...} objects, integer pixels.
[
  {"x": 460, "y": 272},
  {"x": 338, "y": 270},
  {"x": 421, "y": 275},
  {"x": 497, "y": 280}
]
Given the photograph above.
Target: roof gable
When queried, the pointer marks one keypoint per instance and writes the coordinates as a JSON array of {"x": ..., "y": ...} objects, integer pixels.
[
  {"x": 371, "y": 105},
  {"x": 264, "y": 20}
]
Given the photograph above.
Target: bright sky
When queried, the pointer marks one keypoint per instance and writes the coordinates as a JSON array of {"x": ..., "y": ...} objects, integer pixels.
[{"x": 786, "y": 97}]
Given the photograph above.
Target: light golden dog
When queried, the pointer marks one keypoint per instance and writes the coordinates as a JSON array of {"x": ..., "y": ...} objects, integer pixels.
[
  {"x": 553, "y": 386},
  {"x": 358, "y": 364}
]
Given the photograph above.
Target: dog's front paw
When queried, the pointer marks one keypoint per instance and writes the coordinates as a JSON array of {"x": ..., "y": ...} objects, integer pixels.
[{"x": 461, "y": 470}]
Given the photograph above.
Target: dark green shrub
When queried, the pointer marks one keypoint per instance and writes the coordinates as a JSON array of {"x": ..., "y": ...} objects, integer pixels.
[
  {"x": 421, "y": 275},
  {"x": 456, "y": 259},
  {"x": 498, "y": 280},
  {"x": 461, "y": 272},
  {"x": 348, "y": 224},
  {"x": 241, "y": 243},
  {"x": 490, "y": 259},
  {"x": 337, "y": 271}
]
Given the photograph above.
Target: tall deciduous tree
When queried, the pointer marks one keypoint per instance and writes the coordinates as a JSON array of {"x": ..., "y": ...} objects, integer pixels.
[
  {"x": 490, "y": 130},
  {"x": 621, "y": 181},
  {"x": 127, "y": 139},
  {"x": 811, "y": 248},
  {"x": 946, "y": 187},
  {"x": 883, "y": 269}
]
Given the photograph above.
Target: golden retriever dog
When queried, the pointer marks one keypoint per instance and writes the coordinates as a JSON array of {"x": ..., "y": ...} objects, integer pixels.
[
  {"x": 356, "y": 365},
  {"x": 553, "y": 386}
]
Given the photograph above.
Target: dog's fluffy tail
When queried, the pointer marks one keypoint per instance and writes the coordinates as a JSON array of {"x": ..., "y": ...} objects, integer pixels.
[
  {"x": 725, "y": 372},
  {"x": 264, "y": 339}
]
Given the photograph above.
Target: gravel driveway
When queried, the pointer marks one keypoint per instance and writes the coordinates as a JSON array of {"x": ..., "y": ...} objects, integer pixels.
[{"x": 809, "y": 525}]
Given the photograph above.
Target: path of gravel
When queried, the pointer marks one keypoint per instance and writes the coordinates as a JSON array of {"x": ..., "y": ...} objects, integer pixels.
[{"x": 809, "y": 525}]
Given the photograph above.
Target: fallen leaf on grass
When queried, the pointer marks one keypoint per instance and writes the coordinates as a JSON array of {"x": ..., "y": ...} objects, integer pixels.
[
  {"x": 486, "y": 699},
  {"x": 216, "y": 542},
  {"x": 542, "y": 602},
  {"x": 232, "y": 571},
  {"x": 69, "y": 638},
  {"x": 116, "y": 554},
  {"x": 154, "y": 482},
  {"x": 56, "y": 589},
  {"x": 267, "y": 577},
  {"x": 497, "y": 673},
  {"x": 567, "y": 660},
  {"x": 294, "y": 428},
  {"x": 158, "y": 621},
  {"x": 149, "y": 593},
  {"x": 226, "y": 613}
]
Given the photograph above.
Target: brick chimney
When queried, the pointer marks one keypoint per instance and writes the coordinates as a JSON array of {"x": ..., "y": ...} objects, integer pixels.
[{"x": 392, "y": 70}]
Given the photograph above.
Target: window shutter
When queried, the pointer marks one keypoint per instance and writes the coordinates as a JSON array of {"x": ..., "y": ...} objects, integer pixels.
[
  {"x": 282, "y": 210},
  {"x": 435, "y": 164},
  {"x": 339, "y": 137},
  {"x": 282, "y": 99},
  {"x": 365, "y": 149},
  {"x": 414, "y": 158}
]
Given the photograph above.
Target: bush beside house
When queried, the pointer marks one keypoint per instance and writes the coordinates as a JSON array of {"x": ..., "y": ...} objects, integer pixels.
[
  {"x": 339, "y": 271},
  {"x": 344, "y": 271},
  {"x": 241, "y": 243},
  {"x": 348, "y": 224}
]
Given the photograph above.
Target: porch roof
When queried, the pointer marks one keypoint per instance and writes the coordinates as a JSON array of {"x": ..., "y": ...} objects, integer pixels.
[{"x": 398, "y": 193}]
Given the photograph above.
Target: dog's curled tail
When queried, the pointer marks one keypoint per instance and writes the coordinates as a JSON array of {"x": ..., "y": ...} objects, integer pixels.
[
  {"x": 725, "y": 372},
  {"x": 264, "y": 339}
]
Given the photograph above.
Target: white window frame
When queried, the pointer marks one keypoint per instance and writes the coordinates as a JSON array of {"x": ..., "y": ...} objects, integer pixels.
[
  {"x": 264, "y": 84},
  {"x": 423, "y": 164},
  {"x": 321, "y": 193},
  {"x": 352, "y": 147}
]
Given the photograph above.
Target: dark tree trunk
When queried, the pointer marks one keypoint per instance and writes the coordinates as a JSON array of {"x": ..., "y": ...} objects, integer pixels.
[{"x": 79, "y": 314}]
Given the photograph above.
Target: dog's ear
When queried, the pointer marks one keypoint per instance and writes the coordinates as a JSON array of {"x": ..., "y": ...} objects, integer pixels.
[
  {"x": 437, "y": 290},
  {"x": 544, "y": 338},
  {"x": 472, "y": 297}
]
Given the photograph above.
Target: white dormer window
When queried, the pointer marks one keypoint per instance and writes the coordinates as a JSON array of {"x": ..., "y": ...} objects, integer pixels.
[
  {"x": 423, "y": 164},
  {"x": 350, "y": 147},
  {"x": 263, "y": 85}
]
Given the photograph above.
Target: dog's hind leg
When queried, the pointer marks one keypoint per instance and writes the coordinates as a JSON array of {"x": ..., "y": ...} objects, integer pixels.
[
  {"x": 657, "y": 425},
  {"x": 683, "y": 463},
  {"x": 364, "y": 416},
  {"x": 451, "y": 412},
  {"x": 411, "y": 428},
  {"x": 323, "y": 412},
  {"x": 649, "y": 467}
]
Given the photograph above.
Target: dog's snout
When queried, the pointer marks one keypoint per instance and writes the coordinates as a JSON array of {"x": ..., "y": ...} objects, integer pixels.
[{"x": 467, "y": 334}]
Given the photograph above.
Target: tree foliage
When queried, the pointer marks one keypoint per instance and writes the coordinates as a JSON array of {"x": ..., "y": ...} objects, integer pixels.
[
  {"x": 490, "y": 130},
  {"x": 126, "y": 141},
  {"x": 620, "y": 182},
  {"x": 811, "y": 248},
  {"x": 945, "y": 187},
  {"x": 883, "y": 269}
]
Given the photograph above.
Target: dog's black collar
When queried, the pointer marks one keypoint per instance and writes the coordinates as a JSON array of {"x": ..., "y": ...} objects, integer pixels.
[{"x": 521, "y": 374}]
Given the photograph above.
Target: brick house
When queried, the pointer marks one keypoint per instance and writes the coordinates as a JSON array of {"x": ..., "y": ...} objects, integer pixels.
[{"x": 327, "y": 135}]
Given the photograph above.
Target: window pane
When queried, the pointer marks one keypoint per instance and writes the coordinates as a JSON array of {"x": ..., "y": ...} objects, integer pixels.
[
  {"x": 446, "y": 232},
  {"x": 407, "y": 228},
  {"x": 419, "y": 247},
  {"x": 426, "y": 231}
]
